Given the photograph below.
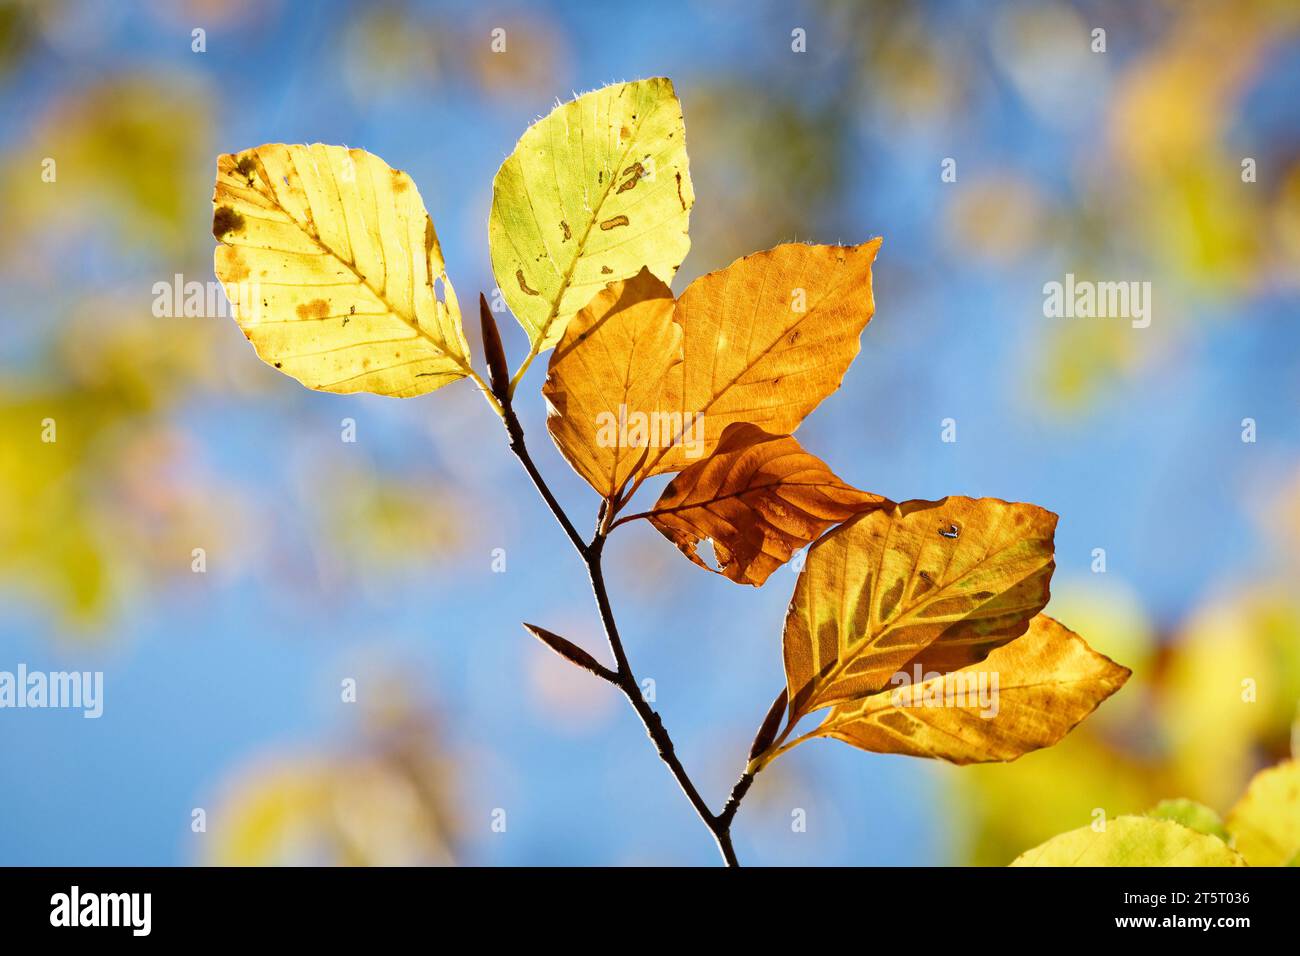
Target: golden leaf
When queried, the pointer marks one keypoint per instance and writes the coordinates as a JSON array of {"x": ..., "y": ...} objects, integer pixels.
[
  {"x": 797, "y": 309},
  {"x": 1027, "y": 694},
  {"x": 759, "y": 497},
  {"x": 1265, "y": 823},
  {"x": 768, "y": 337},
  {"x": 610, "y": 380},
  {"x": 934, "y": 584},
  {"x": 331, "y": 265},
  {"x": 591, "y": 194},
  {"x": 1132, "y": 841}
]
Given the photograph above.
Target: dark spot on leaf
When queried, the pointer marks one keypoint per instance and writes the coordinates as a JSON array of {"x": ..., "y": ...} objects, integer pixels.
[
  {"x": 565, "y": 227},
  {"x": 430, "y": 240},
  {"x": 613, "y": 223},
  {"x": 634, "y": 172},
  {"x": 606, "y": 270},
  {"x": 523, "y": 283},
  {"x": 680, "y": 198},
  {"x": 225, "y": 221},
  {"x": 316, "y": 309},
  {"x": 236, "y": 269},
  {"x": 246, "y": 168}
]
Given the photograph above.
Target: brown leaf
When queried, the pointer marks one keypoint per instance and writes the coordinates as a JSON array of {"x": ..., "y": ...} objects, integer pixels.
[{"x": 759, "y": 497}]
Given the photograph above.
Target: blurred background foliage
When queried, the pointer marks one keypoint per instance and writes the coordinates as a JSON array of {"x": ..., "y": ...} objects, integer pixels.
[{"x": 329, "y": 559}]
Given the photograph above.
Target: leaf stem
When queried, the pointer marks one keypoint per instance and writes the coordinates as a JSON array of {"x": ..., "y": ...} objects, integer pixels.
[
  {"x": 487, "y": 392},
  {"x": 519, "y": 373}
]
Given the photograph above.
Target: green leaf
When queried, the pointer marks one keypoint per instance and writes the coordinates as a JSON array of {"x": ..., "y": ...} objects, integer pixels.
[
  {"x": 593, "y": 192},
  {"x": 1132, "y": 841},
  {"x": 1196, "y": 816}
]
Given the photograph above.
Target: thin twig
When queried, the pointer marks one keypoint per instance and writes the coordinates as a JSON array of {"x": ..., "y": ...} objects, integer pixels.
[{"x": 623, "y": 676}]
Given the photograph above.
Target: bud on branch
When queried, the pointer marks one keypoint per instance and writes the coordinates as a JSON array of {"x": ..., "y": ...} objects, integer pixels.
[{"x": 572, "y": 652}]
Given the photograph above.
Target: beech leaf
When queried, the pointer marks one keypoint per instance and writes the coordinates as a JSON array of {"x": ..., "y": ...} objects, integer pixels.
[
  {"x": 1265, "y": 823},
  {"x": 934, "y": 585},
  {"x": 761, "y": 342},
  {"x": 759, "y": 498},
  {"x": 611, "y": 382},
  {"x": 591, "y": 194},
  {"x": 766, "y": 339},
  {"x": 1191, "y": 814},
  {"x": 1132, "y": 841},
  {"x": 331, "y": 264},
  {"x": 1027, "y": 694}
]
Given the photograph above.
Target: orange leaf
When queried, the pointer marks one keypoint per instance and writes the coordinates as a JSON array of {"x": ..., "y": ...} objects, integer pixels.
[
  {"x": 1025, "y": 695},
  {"x": 769, "y": 337},
  {"x": 934, "y": 584},
  {"x": 611, "y": 383},
  {"x": 762, "y": 341}
]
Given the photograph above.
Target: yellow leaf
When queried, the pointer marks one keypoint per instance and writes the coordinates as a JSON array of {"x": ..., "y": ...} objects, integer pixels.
[
  {"x": 1265, "y": 823},
  {"x": 759, "y": 497},
  {"x": 1025, "y": 695},
  {"x": 1132, "y": 841},
  {"x": 769, "y": 337},
  {"x": 610, "y": 381},
  {"x": 331, "y": 265},
  {"x": 591, "y": 194},
  {"x": 934, "y": 584}
]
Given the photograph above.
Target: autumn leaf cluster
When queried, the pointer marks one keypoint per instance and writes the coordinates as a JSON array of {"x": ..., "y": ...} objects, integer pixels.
[{"x": 338, "y": 280}]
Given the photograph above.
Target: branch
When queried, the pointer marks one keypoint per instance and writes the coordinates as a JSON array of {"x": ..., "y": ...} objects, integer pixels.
[
  {"x": 499, "y": 395},
  {"x": 623, "y": 676},
  {"x": 516, "y": 432}
]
